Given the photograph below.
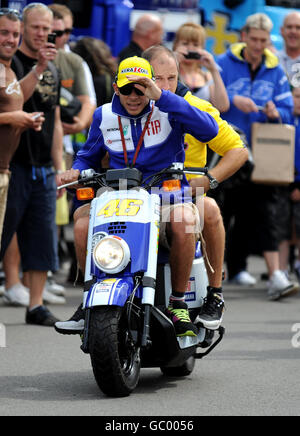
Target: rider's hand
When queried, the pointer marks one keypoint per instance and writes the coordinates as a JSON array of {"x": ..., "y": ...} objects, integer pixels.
[
  {"x": 68, "y": 176},
  {"x": 245, "y": 104},
  {"x": 147, "y": 86}
]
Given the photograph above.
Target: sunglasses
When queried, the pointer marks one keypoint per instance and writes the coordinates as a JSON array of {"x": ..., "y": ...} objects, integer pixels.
[
  {"x": 68, "y": 31},
  {"x": 59, "y": 33},
  {"x": 127, "y": 90},
  {"x": 10, "y": 11}
]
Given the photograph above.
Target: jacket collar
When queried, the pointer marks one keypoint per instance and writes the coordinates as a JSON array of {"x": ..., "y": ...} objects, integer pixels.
[
  {"x": 271, "y": 60},
  {"x": 118, "y": 109}
]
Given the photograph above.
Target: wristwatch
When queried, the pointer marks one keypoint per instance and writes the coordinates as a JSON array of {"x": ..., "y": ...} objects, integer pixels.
[
  {"x": 38, "y": 76},
  {"x": 213, "y": 183}
]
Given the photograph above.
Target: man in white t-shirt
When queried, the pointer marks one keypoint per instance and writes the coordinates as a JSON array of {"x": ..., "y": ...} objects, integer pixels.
[{"x": 289, "y": 57}]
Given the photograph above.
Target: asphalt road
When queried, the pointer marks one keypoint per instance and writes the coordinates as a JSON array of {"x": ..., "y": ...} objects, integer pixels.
[{"x": 254, "y": 371}]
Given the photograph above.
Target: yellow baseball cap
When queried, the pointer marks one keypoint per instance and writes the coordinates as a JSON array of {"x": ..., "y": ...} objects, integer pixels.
[{"x": 133, "y": 66}]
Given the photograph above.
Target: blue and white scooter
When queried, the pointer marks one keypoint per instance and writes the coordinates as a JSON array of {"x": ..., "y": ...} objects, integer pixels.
[{"x": 128, "y": 284}]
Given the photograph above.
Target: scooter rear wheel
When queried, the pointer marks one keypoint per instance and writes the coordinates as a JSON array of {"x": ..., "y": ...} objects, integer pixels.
[
  {"x": 180, "y": 371},
  {"x": 115, "y": 360}
]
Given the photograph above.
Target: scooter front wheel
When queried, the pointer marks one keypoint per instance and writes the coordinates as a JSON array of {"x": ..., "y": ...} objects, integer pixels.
[{"x": 115, "y": 359}]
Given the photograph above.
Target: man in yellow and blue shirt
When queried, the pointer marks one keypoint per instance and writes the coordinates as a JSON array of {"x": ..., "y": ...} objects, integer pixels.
[{"x": 228, "y": 145}]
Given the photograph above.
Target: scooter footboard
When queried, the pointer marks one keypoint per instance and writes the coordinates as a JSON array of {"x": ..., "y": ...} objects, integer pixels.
[
  {"x": 108, "y": 292},
  {"x": 165, "y": 349}
]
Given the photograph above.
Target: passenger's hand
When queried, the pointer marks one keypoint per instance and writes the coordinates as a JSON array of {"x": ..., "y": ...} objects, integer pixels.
[
  {"x": 72, "y": 129},
  {"x": 271, "y": 111},
  {"x": 245, "y": 104},
  {"x": 68, "y": 176},
  {"x": 199, "y": 185},
  {"x": 147, "y": 86}
]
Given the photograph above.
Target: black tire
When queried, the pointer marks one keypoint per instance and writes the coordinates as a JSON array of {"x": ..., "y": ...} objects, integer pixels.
[
  {"x": 115, "y": 361},
  {"x": 180, "y": 371}
]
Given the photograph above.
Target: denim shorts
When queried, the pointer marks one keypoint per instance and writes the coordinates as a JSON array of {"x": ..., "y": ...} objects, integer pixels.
[{"x": 30, "y": 211}]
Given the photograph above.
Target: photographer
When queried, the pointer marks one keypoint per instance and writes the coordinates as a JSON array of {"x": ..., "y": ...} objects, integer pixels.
[{"x": 206, "y": 83}]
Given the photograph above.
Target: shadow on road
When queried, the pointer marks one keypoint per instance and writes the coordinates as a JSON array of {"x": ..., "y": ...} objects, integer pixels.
[{"x": 66, "y": 386}]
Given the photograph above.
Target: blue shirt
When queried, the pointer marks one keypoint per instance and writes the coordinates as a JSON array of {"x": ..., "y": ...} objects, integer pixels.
[{"x": 270, "y": 83}]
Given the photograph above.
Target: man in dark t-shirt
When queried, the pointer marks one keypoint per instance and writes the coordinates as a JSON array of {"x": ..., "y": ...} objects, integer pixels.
[
  {"x": 13, "y": 120},
  {"x": 31, "y": 199}
]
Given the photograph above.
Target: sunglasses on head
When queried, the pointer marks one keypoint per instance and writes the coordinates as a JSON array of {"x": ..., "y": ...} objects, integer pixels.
[
  {"x": 127, "y": 90},
  {"x": 10, "y": 11}
]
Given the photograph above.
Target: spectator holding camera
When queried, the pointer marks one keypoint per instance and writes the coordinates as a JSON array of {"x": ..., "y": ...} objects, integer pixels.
[
  {"x": 31, "y": 200},
  {"x": 197, "y": 67}
]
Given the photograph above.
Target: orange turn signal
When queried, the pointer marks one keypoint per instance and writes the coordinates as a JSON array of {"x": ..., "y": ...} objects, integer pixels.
[
  {"x": 171, "y": 185},
  {"x": 85, "y": 194}
]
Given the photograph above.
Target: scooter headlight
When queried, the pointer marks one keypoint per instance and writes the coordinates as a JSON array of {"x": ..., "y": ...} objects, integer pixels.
[{"x": 111, "y": 254}]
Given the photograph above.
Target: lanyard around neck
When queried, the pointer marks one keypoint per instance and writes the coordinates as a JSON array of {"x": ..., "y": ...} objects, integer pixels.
[{"x": 140, "y": 140}]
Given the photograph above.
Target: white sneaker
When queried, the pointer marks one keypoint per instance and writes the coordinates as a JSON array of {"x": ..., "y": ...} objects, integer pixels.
[
  {"x": 280, "y": 286},
  {"x": 243, "y": 278},
  {"x": 17, "y": 295},
  {"x": 49, "y": 298},
  {"x": 2, "y": 289},
  {"x": 55, "y": 288}
]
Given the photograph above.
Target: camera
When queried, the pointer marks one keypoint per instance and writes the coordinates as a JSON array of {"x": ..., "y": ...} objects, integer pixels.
[
  {"x": 192, "y": 55},
  {"x": 52, "y": 38}
]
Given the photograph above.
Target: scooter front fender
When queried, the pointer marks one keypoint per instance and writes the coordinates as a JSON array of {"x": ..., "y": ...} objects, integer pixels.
[{"x": 108, "y": 292}]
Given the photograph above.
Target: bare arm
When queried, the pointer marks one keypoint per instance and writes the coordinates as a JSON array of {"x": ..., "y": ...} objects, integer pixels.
[
  {"x": 22, "y": 120},
  {"x": 28, "y": 83},
  {"x": 219, "y": 97},
  {"x": 57, "y": 145}
]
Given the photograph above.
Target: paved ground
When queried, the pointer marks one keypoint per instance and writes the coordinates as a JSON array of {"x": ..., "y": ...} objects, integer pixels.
[{"x": 255, "y": 370}]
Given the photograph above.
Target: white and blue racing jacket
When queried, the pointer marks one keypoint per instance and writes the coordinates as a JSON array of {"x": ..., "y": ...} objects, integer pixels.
[
  {"x": 164, "y": 139},
  {"x": 270, "y": 83}
]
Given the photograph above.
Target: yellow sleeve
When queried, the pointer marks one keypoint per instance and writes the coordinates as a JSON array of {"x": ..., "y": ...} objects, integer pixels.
[{"x": 227, "y": 139}]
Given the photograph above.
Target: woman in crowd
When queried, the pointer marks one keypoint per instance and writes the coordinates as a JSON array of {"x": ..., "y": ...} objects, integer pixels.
[
  {"x": 98, "y": 56},
  {"x": 197, "y": 67}
]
